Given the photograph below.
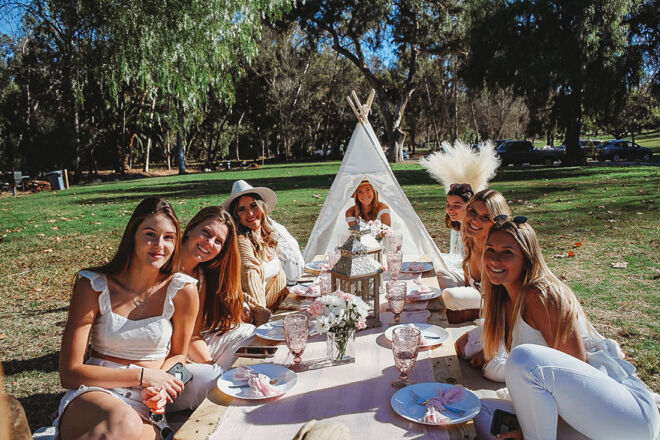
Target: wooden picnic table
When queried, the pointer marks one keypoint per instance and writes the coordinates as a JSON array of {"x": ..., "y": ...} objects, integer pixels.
[{"x": 444, "y": 363}]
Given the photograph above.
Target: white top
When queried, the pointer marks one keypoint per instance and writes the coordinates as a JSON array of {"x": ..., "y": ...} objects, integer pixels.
[
  {"x": 604, "y": 354},
  {"x": 456, "y": 245},
  {"x": 378, "y": 216},
  {"x": 271, "y": 268},
  {"x": 143, "y": 339}
]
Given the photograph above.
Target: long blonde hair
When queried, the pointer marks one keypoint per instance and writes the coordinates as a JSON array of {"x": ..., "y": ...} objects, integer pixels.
[
  {"x": 537, "y": 279},
  {"x": 263, "y": 238},
  {"x": 496, "y": 205},
  {"x": 374, "y": 207}
]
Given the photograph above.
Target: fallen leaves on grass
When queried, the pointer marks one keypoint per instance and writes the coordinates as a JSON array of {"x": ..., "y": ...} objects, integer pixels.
[
  {"x": 619, "y": 265},
  {"x": 46, "y": 251},
  {"x": 578, "y": 244},
  {"x": 316, "y": 196},
  {"x": 566, "y": 255}
]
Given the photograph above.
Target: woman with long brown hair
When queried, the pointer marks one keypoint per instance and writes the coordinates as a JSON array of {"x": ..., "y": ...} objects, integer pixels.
[
  {"x": 134, "y": 316},
  {"x": 565, "y": 380},
  {"x": 367, "y": 206},
  {"x": 209, "y": 253}
]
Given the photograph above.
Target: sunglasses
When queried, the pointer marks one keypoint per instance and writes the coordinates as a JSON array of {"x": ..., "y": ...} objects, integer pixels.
[
  {"x": 518, "y": 220},
  {"x": 460, "y": 186}
]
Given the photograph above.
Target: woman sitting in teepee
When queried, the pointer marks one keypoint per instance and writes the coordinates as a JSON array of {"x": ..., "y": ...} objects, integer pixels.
[{"x": 367, "y": 207}]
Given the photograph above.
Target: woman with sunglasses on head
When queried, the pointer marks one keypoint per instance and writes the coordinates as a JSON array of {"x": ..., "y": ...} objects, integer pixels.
[
  {"x": 137, "y": 316},
  {"x": 262, "y": 276},
  {"x": 367, "y": 207},
  {"x": 559, "y": 369}
]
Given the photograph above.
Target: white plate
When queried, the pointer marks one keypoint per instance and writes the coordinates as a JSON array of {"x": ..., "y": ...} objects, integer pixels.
[
  {"x": 271, "y": 370},
  {"x": 433, "y": 334},
  {"x": 405, "y": 267},
  {"x": 404, "y": 404},
  {"x": 317, "y": 266},
  {"x": 301, "y": 290},
  {"x": 434, "y": 293},
  {"x": 271, "y": 331}
]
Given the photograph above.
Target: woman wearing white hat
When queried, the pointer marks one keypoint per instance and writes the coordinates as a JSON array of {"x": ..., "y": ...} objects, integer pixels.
[{"x": 262, "y": 276}]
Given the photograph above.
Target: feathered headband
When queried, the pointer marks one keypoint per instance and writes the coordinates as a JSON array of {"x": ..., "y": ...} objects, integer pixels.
[{"x": 460, "y": 163}]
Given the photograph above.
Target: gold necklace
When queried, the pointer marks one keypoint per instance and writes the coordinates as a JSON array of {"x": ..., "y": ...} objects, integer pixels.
[{"x": 141, "y": 304}]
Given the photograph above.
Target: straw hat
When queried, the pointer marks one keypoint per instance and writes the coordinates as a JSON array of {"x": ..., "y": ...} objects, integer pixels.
[{"x": 241, "y": 188}]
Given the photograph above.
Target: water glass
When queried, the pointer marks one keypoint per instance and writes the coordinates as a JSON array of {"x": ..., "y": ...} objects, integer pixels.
[
  {"x": 325, "y": 284},
  {"x": 393, "y": 241},
  {"x": 396, "y": 297},
  {"x": 394, "y": 260},
  {"x": 405, "y": 346},
  {"x": 296, "y": 332}
]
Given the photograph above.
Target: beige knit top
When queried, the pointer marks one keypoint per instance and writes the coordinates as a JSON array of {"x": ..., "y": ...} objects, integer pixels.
[{"x": 252, "y": 277}]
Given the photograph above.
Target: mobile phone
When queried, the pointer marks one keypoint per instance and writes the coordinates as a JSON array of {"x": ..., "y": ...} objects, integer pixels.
[
  {"x": 256, "y": 351},
  {"x": 503, "y": 421},
  {"x": 180, "y": 372}
]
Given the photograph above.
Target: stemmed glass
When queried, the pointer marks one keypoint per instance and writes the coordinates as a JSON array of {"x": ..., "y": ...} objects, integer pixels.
[
  {"x": 393, "y": 241},
  {"x": 394, "y": 263},
  {"x": 396, "y": 297},
  {"x": 325, "y": 282},
  {"x": 296, "y": 332},
  {"x": 405, "y": 345}
]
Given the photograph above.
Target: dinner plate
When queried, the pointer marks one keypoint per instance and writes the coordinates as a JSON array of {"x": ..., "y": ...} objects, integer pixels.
[
  {"x": 301, "y": 290},
  {"x": 415, "y": 267},
  {"x": 273, "y": 330},
  {"x": 404, "y": 403},
  {"x": 433, "y": 334},
  {"x": 273, "y": 371},
  {"x": 317, "y": 266},
  {"x": 434, "y": 293}
]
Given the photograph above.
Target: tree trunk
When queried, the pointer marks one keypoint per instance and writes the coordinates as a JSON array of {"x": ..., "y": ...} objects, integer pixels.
[
  {"x": 572, "y": 116},
  {"x": 168, "y": 153},
  {"x": 238, "y": 129},
  {"x": 151, "y": 124},
  {"x": 179, "y": 143}
]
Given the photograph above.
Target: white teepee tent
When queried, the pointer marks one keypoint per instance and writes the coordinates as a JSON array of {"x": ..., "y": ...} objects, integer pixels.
[{"x": 364, "y": 159}]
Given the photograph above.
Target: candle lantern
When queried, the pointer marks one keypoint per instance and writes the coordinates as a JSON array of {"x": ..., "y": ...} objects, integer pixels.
[
  {"x": 362, "y": 230},
  {"x": 358, "y": 273}
]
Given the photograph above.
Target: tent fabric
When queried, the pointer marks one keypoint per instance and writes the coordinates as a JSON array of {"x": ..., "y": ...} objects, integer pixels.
[{"x": 364, "y": 159}]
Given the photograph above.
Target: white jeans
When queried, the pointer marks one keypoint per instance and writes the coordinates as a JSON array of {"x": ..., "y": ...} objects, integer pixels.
[{"x": 545, "y": 383}]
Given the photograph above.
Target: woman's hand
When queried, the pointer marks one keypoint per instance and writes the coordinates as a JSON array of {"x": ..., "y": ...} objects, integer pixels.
[
  {"x": 246, "y": 315},
  {"x": 517, "y": 434},
  {"x": 460, "y": 345},
  {"x": 155, "y": 399},
  {"x": 162, "y": 380},
  {"x": 478, "y": 360}
]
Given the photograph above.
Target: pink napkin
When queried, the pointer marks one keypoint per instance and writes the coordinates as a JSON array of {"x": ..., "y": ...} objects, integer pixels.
[
  {"x": 312, "y": 289},
  {"x": 421, "y": 287},
  {"x": 422, "y": 340},
  {"x": 437, "y": 404},
  {"x": 259, "y": 383},
  {"x": 416, "y": 267}
]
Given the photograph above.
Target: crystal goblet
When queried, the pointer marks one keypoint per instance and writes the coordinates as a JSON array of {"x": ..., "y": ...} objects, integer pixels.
[
  {"x": 405, "y": 346},
  {"x": 296, "y": 332},
  {"x": 393, "y": 241},
  {"x": 325, "y": 282},
  {"x": 396, "y": 297},
  {"x": 394, "y": 260}
]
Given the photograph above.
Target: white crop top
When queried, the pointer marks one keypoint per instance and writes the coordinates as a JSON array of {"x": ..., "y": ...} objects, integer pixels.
[
  {"x": 271, "y": 268},
  {"x": 378, "y": 216},
  {"x": 143, "y": 339}
]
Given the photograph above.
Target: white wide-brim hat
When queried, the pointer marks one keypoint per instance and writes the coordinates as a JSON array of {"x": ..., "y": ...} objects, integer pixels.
[{"x": 241, "y": 188}]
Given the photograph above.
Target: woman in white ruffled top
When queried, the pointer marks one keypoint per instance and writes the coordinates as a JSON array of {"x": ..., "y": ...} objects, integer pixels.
[
  {"x": 367, "y": 206},
  {"x": 565, "y": 380}
]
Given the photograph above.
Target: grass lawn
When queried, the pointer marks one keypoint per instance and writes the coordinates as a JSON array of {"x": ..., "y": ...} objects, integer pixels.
[{"x": 601, "y": 214}]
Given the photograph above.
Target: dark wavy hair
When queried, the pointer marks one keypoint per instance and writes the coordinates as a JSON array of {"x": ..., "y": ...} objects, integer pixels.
[
  {"x": 223, "y": 297},
  {"x": 124, "y": 255},
  {"x": 465, "y": 193}
]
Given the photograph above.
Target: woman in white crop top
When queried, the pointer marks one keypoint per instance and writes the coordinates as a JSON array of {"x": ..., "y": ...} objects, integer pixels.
[
  {"x": 565, "y": 380},
  {"x": 209, "y": 253},
  {"x": 138, "y": 315},
  {"x": 367, "y": 207}
]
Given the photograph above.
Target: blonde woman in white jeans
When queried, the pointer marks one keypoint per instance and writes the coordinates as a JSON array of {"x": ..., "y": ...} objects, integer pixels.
[{"x": 565, "y": 380}]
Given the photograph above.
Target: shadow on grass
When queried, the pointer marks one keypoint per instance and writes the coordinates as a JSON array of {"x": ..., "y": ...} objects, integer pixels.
[
  {"x": 46, "y": 363},
  {"x": 41, "y": 408}
]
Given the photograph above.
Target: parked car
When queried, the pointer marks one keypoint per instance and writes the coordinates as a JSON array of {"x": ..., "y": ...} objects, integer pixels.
[
  {"x": 406, "y": 156},
  {"x": 589, "y": 148},
  {"x": 519, "y": 152},
  {"x": 620, "y": 150}
]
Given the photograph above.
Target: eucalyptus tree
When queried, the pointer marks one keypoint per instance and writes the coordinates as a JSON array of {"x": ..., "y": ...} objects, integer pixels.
[
  {"x": 374, "y": 34},
  {"x": 569, "y": 55}
]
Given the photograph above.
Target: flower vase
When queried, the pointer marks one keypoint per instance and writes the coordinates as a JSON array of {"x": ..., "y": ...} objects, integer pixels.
[{"x": 341, "y": 346}]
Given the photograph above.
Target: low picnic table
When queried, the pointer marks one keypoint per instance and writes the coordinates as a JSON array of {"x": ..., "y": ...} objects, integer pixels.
[{"x": 356, "y": 394}]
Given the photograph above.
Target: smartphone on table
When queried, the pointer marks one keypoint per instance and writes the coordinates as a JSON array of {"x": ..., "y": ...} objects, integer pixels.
[
  {"x": 503, "y": 421},
  {"x": 256, "y": 351}
]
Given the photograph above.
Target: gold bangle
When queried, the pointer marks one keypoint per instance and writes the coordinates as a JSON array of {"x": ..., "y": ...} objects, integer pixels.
[{"x": 141, "y": 376}]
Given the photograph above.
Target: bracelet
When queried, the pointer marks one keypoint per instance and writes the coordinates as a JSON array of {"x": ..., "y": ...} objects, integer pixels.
[{"x": 141, "y": 376}]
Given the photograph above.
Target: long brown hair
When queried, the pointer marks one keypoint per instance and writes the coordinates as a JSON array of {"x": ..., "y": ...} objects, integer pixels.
[
  {"x": 496, "y": 205},
  {"x": 374, "y": 207},
  {"x": 124, "y": 255},
  {"x": 265, "y": 237},
  {"x": 223, "y": 297},
  {"x": 537, "y": 279}
]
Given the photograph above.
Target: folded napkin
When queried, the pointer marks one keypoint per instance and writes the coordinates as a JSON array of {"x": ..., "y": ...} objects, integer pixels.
[
  {"x": 311, "y": 289},
  {"x": 422, "y": 339},
  {"x": 416, "y": 267},
  {"x": 259, "y": 383},
  {"x": 437, "y": 404}
]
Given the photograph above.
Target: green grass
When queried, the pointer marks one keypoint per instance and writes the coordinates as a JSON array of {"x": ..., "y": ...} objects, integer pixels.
[{"x": 611, "y": 210}]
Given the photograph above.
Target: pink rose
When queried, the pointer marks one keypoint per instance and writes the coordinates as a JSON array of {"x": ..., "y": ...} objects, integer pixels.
[
  {"x": 316, "y": 309},
  {"x": 361, "y": 324}
]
